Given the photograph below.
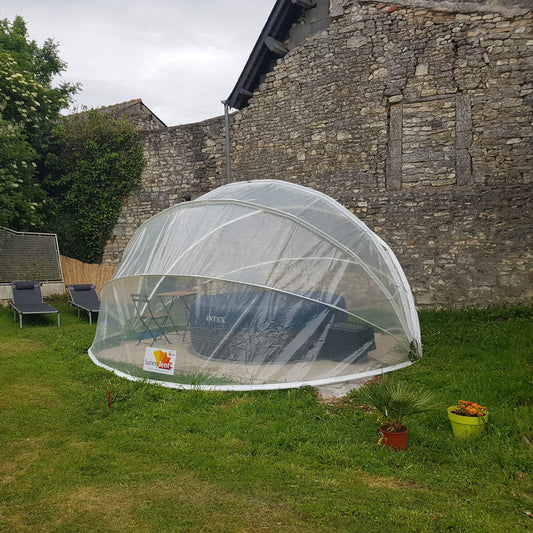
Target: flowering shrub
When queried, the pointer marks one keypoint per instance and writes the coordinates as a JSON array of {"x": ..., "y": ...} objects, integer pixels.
[
  {"x": 29, "y": 109},
  {"x": 469, "y": 409}
]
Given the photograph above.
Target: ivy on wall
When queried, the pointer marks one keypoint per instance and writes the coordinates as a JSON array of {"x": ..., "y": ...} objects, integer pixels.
[{"x": 93, "y": 163}]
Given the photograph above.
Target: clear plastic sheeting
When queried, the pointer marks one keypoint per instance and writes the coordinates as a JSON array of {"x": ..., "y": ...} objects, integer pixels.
[{"x": 256, "y": 285}]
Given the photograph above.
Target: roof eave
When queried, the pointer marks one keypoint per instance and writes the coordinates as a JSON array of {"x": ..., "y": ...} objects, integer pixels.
[{"x": 283, "y": 15}]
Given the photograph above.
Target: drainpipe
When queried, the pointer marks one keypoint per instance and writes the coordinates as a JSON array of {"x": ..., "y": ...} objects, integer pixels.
[{"x": 228, "y": 151}]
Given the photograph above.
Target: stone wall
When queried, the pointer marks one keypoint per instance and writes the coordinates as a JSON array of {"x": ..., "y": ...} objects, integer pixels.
[
  {"x": 414, "y": 116},
  {"x": 182, "y": 163}
]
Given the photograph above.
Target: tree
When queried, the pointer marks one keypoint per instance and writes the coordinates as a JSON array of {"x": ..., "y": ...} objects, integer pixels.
[
  {"x": 94, "y": 161},
  {"x": 20, "y": 194},
  {"x": 29, "y": 109},
  {"x": 66, "y": 175}
]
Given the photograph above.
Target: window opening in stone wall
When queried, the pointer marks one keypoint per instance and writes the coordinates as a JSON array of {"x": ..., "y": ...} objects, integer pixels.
[{"x": 428, "y": 143}]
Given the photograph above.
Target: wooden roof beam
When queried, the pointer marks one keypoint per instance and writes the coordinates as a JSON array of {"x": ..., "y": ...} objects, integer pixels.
[
  {"x": 242, "y": 90},
  {"x": 275, "y": 46},
  {"x": 306, "y": 4}
]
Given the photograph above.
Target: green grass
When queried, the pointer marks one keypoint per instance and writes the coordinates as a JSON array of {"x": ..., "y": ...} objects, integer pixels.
[{"x": 166, "y": 460}]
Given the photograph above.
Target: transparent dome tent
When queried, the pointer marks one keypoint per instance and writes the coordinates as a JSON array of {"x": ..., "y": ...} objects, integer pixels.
[{"x": 256, "y": 285}]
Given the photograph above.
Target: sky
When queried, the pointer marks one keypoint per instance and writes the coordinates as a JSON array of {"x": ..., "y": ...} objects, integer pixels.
[{"x": 180, "y": 57}]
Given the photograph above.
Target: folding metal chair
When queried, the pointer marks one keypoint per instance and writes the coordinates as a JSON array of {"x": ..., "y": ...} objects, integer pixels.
[
  {"x": 153, "y": 322},
  {"x": 185, "y": 297}
]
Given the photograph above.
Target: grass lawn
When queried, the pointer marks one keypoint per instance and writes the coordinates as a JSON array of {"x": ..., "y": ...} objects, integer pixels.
[{"x": 162, "y": 460}]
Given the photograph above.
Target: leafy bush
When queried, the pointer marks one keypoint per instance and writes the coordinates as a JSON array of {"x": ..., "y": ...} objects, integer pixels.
[{"x": 94, "y": 162}]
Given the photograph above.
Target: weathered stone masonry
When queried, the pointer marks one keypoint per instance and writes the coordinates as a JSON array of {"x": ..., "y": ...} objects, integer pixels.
[{"x": 414, "y": 116}]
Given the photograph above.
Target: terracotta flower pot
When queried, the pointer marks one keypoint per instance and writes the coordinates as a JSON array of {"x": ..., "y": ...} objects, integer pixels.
[
  {"x": 394, "y": 439},
  {"x": 466, "y": 427}
]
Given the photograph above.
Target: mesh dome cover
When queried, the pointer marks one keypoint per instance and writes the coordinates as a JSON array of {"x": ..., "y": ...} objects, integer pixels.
[{"x": 256, "y": 285}]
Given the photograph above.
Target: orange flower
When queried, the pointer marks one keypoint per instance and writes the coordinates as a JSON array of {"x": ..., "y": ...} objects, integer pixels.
[{"x": 469, "y": 409}]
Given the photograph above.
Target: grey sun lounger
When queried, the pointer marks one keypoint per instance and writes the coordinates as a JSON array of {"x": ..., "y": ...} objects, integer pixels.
[
  {"x": 83, "y": 296},
  {"x": 28, "y": 300}
]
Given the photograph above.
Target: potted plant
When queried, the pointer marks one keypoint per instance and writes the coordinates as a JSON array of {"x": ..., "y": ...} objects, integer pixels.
[
  {"x": 468, "y": 419},
  {"x": 394, "y": 402}
]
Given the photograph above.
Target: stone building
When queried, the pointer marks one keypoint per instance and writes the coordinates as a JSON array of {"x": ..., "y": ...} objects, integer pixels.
[
  {"x": 415, "y": 115},
  {"x": 135, "y": 112}
]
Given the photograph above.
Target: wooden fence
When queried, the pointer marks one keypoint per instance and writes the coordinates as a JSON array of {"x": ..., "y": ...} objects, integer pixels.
[{"x": 75, "y": 271}]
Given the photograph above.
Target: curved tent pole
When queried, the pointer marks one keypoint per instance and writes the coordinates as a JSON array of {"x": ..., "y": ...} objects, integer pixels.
[
  {"x": 336, "y": 205},
  {"x": 307, "y": 225},
  {"x": 273, "y": 289},
  {"x": 218, "y": 278},
  {"x": 409, "y": 326},
  {"x": 197, "y": 243},
  {"x": 257, "y": 386}
]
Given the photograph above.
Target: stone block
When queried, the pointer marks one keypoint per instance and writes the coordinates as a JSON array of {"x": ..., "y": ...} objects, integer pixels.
[
  {"x": 396, "y": 123},
  {"x": 422, "y": 69}
]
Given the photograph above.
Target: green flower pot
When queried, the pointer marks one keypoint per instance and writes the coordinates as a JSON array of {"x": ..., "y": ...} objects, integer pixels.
[{"x": 466, "y": 427}]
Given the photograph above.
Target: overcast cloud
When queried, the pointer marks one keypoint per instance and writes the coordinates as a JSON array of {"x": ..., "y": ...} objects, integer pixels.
[{"x": 180, "y": 57}]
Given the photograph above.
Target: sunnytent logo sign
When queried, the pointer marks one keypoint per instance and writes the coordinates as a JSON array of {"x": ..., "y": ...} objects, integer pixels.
[{"x": 162, "y": 361}]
